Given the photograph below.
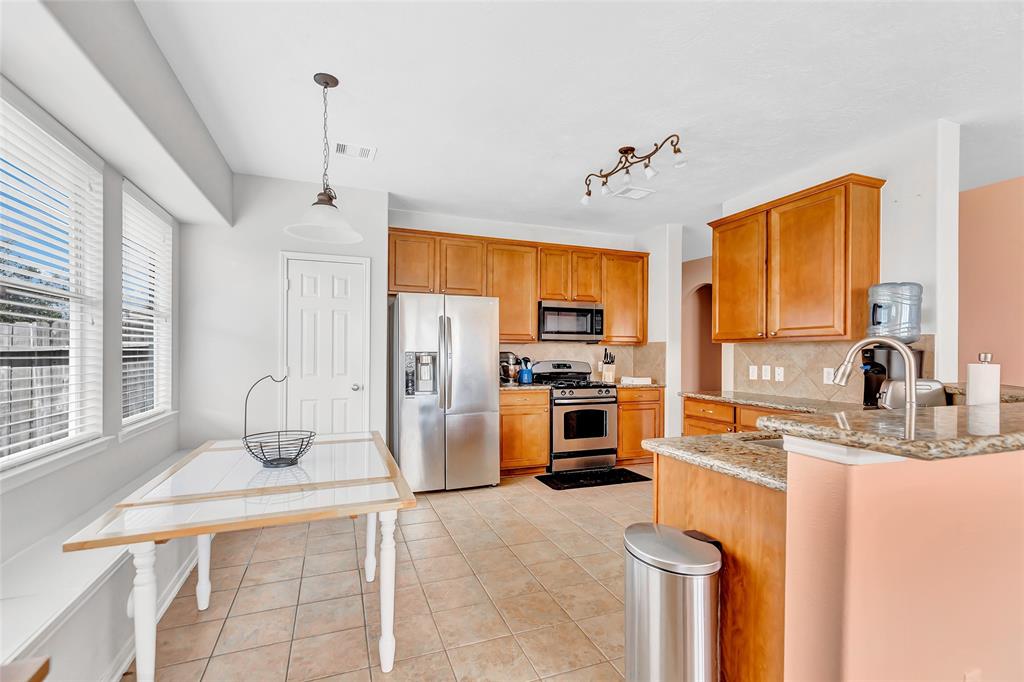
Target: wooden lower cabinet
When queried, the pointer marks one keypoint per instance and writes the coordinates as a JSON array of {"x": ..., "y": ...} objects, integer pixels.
[
  {"x": 704, "y": 417},
  {"x": 525, "y": 418},
  {"x": 641, "y": 415},
  {"x": 703, "y": 427},
  {"x": 750, "y": 522}
]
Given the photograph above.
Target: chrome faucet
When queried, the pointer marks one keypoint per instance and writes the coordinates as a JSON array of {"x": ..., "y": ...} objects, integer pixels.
[{"x": 842, "y": 374}]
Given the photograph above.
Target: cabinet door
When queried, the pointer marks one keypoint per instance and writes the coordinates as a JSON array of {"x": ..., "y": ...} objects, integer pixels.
[
  {"x": 738, "y": 253},
  {"x": 554, "y": 274},
  {"x": 625, "y": 298},
  {"x": 512, "y": 277},
  {"x": 636, "y": 422},
  {"x": 525, "y": 437},
  {"x": 461, "y": 266},
  {"x": 586, "y": 276},
  {"x": 699, "y": 427},
  {"x": 412, "y": 263},
  {"x": 806, "y": 266}
]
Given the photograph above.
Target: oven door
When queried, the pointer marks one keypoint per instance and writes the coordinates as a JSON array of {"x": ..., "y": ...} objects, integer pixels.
[
  {"x": 562, "y": 321},
  {"x": 584, "y": 425}
]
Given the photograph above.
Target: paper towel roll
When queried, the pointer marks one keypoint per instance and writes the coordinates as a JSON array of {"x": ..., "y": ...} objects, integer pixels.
[{"x": 983, "y": 381}]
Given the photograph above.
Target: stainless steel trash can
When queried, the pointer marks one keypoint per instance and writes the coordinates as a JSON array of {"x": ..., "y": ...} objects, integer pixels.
[{"x": 671, "y": 606}]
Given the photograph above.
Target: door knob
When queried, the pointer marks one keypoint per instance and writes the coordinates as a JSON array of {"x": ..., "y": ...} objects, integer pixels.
[{"x": 356, "y": 387}]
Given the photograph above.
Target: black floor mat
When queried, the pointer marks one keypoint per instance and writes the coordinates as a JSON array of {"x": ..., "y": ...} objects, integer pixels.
[{"x": 589, "y": 479}]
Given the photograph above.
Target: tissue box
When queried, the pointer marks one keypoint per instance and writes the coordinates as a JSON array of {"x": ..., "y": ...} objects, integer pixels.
[{"x": 636, "y": 381}]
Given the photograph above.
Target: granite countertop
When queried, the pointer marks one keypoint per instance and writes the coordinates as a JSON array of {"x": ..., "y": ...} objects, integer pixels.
[
  {"x": 940, "y": 432},
  {"x": 733, "y": 454},
  {"x": 654, "y": 385},
  {"x": 1007, "y": 393},
  {"x": 773, "y": 402}
]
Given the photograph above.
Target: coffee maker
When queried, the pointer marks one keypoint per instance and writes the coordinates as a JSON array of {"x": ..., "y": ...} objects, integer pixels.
[{"x": 881, "y": 365}]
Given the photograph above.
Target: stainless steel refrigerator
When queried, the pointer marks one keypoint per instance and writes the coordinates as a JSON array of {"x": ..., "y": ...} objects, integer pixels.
[{"x": 444, "y": 390}]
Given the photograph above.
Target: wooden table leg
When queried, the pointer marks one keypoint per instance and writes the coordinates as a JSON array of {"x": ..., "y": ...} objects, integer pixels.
[
  {"x": 371, "y": 547},
  {"x": 387, "y": 589},
  {"x": 203, "y": 572},
  {"x": 144, "y": 609}
]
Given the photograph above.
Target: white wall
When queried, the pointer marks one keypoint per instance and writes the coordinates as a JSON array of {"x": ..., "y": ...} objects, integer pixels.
[
  {"x": 919, "y": 218},
  {"x": 665, "y": 244},
  {"x": 230, "y": 303},
  {"x": 416, "y": 220}
]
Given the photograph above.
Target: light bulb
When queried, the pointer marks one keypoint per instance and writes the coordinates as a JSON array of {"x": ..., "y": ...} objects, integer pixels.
[
  {"x": 627, "y": 179},
  {"x": 605, "y": 189},
  {"x": 678, "y": 160},
  {"x": 585, "y": 199},
  {"x": 649, "y": 170}
]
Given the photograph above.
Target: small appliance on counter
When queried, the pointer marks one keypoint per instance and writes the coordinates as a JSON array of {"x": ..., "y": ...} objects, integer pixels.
[
  {"x": 893, "y": 394},
  {"x": 584, "y": 416},
  {"x": 882, "y": 365},
  {"x": 983, "y": 381},
  {"x": 508, "y": 367},
  {"x": 526, "y": 371}
]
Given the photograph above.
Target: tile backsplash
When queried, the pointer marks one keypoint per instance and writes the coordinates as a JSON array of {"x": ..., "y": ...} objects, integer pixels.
[
  {"x": 586, "y": 352},
  {"x": 802, "y": 365}
]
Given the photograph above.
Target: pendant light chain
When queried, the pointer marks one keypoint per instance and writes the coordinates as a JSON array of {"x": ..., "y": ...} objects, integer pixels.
[{"x": 327, "y": 150}]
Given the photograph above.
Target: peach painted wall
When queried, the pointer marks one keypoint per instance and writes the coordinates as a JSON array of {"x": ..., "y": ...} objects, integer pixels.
[
  {"x": 905, "y": 570},
  {"x": 701, "y": 362},
  {"x": 992, "y": 277}
]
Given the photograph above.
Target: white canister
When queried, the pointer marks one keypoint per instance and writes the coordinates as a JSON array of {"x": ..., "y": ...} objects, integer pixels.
[{"x": 983, "y": 381}]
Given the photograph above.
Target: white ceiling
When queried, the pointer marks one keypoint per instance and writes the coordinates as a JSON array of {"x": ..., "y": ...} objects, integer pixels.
[{"x": 498, "y": 110}]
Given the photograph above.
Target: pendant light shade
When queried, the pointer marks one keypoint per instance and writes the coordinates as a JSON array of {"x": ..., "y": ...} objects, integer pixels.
[{"x": 323, "y": 222}]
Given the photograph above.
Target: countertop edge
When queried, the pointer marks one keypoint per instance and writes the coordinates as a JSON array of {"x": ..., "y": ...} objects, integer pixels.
[
  {"x": 773, "y": 402},
  {"x": 675, "y": 448}
]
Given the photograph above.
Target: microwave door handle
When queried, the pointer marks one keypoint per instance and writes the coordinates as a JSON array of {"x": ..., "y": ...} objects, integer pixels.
[
  {"x": 448, "y": 362},
  {"x": 440, "y": 370}
]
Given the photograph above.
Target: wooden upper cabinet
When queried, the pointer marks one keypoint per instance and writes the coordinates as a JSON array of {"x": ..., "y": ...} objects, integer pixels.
[
  {"x": 806, "y": 266},
  {"x": 555, "y": 272},
  {"x": 798, "y": 267},
  {"x": 461, "y": 266},
  {"x": 412, "y": 263},
  {"x": 586, "y": 276},
  {"x": 625, "y": 298},
  {"x": 512, "y": 278},
  {"x": 738, "y": 255}
]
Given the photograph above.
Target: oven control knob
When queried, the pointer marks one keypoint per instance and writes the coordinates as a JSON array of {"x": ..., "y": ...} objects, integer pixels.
[
  {"x": 562, "y": 393},
  {"x": 605, "y": 391},
  {"x": 571, "y": 393}
]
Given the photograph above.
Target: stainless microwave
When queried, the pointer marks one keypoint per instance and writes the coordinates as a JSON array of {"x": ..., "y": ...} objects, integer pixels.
[{"x": 565, "y": 321}]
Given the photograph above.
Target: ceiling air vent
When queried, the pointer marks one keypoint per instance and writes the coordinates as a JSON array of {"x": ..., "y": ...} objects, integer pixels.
[
  {"x": 356, "y": 151},
  {"x": 632, "y": 192}
]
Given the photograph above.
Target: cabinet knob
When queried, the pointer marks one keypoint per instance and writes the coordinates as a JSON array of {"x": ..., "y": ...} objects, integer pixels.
[
  {"x": 729, "y": 429},
  {"x": 772, "y": 333},
  {"x": 760, "y": 333}
]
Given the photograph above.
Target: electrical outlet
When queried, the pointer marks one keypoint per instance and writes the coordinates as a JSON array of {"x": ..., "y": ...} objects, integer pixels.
[
  {"x": 826, "y": 375},
  {"x": 780, "y": 373},
  {"x": 766, "y": 372},
  {"x": 752, "y": 372}
]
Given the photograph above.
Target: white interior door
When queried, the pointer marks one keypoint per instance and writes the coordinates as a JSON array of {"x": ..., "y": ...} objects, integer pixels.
[{"x": 327, "y": 351}]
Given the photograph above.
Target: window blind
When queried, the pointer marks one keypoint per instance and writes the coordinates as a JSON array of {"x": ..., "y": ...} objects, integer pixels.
[
  {"x": 51, "y": 288},
  {"x": 145, "y": 312}
]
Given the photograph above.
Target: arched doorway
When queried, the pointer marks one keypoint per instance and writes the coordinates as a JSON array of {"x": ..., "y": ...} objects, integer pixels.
[{"x": 701, "y": 361}]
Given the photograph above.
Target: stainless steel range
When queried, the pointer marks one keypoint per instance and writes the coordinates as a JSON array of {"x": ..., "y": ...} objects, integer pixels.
[{"x": 584, "y": 416}]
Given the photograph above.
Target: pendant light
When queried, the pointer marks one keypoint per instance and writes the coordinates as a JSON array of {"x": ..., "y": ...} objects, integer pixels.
[{"x": 322, "y": 221}]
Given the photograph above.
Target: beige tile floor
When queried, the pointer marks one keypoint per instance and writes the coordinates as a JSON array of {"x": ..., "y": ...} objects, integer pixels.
[{"x": 516, "y": 582}]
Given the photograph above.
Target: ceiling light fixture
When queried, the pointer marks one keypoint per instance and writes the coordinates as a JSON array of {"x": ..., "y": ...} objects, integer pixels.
[
  {"x": 629, "y": 158},
  {"x": 322, "y": 221}
]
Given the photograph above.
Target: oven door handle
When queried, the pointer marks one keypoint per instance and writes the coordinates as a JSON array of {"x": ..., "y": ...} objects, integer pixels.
[{"x": 585, "y": 401}]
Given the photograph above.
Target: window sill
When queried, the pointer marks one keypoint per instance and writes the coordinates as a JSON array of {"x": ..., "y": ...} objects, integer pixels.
[
  {"x": 20, "y": 473},
  {"x": 143, "y": 425}
]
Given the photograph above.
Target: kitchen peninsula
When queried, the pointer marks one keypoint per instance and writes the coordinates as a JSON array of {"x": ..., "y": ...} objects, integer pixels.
[{"x": 853, "y": 552}]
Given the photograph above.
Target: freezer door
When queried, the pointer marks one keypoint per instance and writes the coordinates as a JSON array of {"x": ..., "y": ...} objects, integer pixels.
[
  {"x": 474, "y": 450},
  {"x": 471, "y": 354},
  {"x": 418, "y": 417}
]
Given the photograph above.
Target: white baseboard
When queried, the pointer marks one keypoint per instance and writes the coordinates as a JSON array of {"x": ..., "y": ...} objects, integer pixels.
[{"x": 127, "y": 653}]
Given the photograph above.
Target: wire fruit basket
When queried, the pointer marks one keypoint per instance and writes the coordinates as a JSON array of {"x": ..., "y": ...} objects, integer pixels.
[{"x": 274, "y": 449}]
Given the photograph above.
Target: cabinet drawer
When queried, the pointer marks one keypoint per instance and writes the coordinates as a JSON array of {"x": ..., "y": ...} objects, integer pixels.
[
  {"x": 702, "y": 427},
  {"x": 747, "y": 416},
  {"x": 706, "y": 410},
  {"x": 639, "y": 395},
  {"x": 523, "y": 397}
]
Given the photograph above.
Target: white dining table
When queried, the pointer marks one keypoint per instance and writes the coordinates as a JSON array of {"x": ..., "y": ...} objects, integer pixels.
[{"x": 219, "y": 487}]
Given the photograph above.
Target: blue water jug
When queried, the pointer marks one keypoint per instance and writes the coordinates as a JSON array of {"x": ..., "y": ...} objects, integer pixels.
[{"x": 526, "y": 372}]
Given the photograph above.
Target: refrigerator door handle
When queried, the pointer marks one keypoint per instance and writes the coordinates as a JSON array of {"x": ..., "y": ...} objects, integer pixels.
[
  {"x": 448, "y": 362},
  {"x": 441, "y": 344}
]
